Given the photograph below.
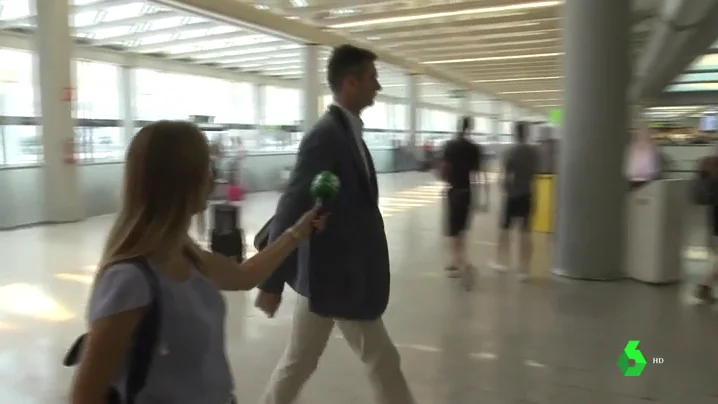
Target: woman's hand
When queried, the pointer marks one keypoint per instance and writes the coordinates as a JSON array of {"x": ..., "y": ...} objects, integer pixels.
[{"x": 309, "y": 222}]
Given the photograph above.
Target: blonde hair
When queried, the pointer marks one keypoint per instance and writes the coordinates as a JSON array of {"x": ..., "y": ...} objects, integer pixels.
[{"x": 166, "y": 182}]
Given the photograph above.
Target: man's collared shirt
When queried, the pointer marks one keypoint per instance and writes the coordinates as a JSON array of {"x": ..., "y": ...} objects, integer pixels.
[{"x": 357, "y": 126}]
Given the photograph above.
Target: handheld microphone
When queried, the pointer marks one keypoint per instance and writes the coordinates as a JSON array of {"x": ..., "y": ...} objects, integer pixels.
[{"x": 325, "y": 188}]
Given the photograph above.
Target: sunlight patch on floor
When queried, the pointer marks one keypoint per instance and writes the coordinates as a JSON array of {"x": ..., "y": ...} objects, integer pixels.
[{"x": 29, "y": 300}]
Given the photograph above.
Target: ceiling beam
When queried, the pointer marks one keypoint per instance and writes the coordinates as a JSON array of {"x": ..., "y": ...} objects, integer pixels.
[
  {"x": 472, "y": 44},
  {"x": 672, "y": 51},
  {"x": 684, "y": 98},
  {"x": 494, "y": 55},
  {"x": 139, "y": 35},
  {"x": 32, "y": 19},
  {"x": 495, "y": 25},
  {"x": 246, "y": 15},
  {"x": 25, "y": 42},
  {"x": 273, "y": 46},
  {"x": 481, "y": 8}
]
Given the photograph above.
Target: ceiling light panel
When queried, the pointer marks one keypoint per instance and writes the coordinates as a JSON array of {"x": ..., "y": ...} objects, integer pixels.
[{"x": 420, "y": 15}]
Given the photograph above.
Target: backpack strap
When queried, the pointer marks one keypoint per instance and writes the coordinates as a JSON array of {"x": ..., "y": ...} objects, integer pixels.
[{"x": 146, "y": 336}]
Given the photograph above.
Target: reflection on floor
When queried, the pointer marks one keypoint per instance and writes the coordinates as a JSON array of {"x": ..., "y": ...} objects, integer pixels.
[{"x": 545, "y": 342}]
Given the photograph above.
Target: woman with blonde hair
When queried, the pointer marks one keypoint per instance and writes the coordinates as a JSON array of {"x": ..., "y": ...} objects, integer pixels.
[{"x": 167, "y": 180}]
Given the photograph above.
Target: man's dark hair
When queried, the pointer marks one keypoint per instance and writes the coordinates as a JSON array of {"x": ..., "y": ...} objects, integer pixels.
[
  {"x": 465, "y": 125},
  {"x": 344, "y": 61},
  {"x": 521, "y": 131}
]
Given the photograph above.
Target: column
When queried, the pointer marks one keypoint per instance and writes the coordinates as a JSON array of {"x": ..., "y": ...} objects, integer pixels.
[
  {"x": 310, "y": 86},
  {"x": 56, "y": 93},
  {"x": 496, "y": 110},
  {"x": 259, "y": 104},
  {"x": 127, "y": 92},
  {"x": 592, "y": 188},
  {"x": 465, "y": 103},
  {"x": 412, "y": 110}
]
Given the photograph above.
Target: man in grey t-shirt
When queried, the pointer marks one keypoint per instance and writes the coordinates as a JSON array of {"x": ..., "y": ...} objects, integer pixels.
[{"x": 519, "y": 168}]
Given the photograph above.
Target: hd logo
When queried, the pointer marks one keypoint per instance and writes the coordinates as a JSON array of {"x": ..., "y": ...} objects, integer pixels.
[{"x": 631, "y": 353}]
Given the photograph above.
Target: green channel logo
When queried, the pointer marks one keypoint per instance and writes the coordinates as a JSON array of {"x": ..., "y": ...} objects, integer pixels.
[{"x": 631, "y": 353}]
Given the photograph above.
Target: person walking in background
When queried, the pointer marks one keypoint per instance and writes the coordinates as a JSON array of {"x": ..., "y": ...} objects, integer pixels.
[
  {"x": 462, "y": 160},
  {"x": 342, "y": 276},
  {"x": 215, "y": 153},
  {"x": 520, "y": 165},
  {"x": 643, "y": 161},
  {"x": 706, "y": 183}
]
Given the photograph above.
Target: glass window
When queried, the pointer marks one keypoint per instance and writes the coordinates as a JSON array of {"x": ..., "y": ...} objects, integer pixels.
[
  {"x": 14, "y": 9},
  {"x": 99, "y": 136},
  {"x": 397, "y": 114},
  {"x": 240, "y": 108},
  {"x": 163, "y": 95},
  {"x": 375, "y": 117},
  {"x": 282, "y": 111},
  {"x": 157, "y": 97},
  {"x": 98, "y": 90},
  {"x": 17, "y": 92},
  {"x": 326, "y": 101},
  {"x": 21, "y": 143},
  {"x": 482, "y": 125},
  {"x": 282, "y": 106},
  {"x": 506, "y": 127}
]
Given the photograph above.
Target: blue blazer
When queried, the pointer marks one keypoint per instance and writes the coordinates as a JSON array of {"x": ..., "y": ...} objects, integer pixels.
[{"x": 344, "y": 270}]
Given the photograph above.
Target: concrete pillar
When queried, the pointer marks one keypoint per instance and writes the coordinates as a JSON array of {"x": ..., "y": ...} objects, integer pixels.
[
  {"x": 465, "y": 104},
  {"x": 57, "y": 95},
  {"x": 592, "y": 188},
  {"x": 127, "y": 103},
  {"x": 259, "y": 104},
  {"x": 310, "y": 86},
  {"x": 412, "y": 110},
  {"x": 496, "y": 119}
]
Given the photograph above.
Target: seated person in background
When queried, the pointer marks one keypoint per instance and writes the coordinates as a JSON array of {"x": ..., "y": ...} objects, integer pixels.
[{"x": 643, "y": 161}]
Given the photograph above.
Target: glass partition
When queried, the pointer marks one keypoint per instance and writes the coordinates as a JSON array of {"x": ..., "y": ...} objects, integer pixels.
[
  {"x": 99, "y": 132},
  {"x": 19, "y": 129}
]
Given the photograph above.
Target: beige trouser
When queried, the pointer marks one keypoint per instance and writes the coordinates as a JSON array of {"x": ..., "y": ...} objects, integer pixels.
[{"x": 309, "y": 336}]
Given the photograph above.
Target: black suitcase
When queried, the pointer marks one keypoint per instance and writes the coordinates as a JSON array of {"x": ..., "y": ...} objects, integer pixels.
[{"x": 227, "y": 237}]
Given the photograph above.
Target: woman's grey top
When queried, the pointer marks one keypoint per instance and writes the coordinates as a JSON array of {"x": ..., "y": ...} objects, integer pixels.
[{"x": 190, "y": 364}]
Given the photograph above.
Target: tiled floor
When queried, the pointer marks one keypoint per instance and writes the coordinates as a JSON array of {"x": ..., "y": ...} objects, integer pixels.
[{"x": 549, "y": 341}]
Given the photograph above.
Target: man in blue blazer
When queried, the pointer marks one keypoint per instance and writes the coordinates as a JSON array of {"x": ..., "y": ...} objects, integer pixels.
[{"x": 341, "y": 274}]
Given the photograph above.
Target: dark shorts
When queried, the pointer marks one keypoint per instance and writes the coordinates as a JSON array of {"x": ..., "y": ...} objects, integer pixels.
[
  {"x": 713, "y": 219},
  {"x": 458, "y": 209},
  {"x": 517, "y": 209}
]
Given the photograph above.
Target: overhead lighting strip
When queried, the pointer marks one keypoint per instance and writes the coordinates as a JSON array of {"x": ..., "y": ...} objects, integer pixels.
[
  {"x": 530, "y": 92},
  {"x": 492, "y": 58},
  {"x": 472, "y": 11},
  {"x": 519, "y": 79}
]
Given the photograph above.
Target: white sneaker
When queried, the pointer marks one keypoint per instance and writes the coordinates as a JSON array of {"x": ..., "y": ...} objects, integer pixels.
[{"x": 498, "y": 267}]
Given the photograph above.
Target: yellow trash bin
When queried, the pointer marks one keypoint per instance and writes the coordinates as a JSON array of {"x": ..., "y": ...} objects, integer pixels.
[{"x": 544, "y": 193}]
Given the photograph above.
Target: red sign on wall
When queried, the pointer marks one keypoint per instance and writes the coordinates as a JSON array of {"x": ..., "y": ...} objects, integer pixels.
[
  {"x": 69, "y": 151},
  {"x": 68, "y": 94}
]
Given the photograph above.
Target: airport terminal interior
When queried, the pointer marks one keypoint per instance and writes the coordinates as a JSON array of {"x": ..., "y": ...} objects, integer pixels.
[{"x": 78, "y": 79}]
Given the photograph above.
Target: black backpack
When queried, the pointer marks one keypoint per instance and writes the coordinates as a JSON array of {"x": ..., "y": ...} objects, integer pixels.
[{"x": 143, "y": 346}]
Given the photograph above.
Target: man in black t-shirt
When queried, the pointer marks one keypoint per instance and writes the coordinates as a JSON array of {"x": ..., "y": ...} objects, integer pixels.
[{"x": 462, "y": 159}]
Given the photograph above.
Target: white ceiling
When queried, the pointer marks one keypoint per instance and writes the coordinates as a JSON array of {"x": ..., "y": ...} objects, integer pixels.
[{"x": 515, "y": 45}]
